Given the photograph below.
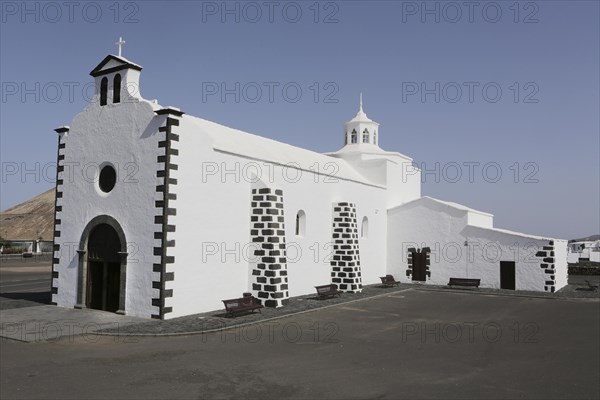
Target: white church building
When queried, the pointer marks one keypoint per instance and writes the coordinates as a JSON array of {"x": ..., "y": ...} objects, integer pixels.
[{"x": 183, "y": 213}]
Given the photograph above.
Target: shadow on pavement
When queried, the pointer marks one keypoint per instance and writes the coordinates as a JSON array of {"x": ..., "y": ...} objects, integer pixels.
[{"x": 24, "y": 299}]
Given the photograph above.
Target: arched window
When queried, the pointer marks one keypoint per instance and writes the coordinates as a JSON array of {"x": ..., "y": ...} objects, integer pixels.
[
  {"x": 117, "y": 89},
  {"x": 365, "y": 136},
  {"x": 300, "y": 223},
  {"x": 354, "y": 138},
  {"x": 375, "y": 137},
  {"x": 364, "y": 229},
  {"x": 103, "y": 91}
]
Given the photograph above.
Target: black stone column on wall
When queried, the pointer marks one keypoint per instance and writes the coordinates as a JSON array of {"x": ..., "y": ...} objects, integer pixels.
[
  {"x": 345, "y": 261},
  {"x": 268, "y": 262}
]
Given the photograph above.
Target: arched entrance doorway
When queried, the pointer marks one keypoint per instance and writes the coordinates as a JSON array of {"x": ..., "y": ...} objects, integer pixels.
[
  {"x": 103, "y": 269},
  {"x": 102, "y": 266}
]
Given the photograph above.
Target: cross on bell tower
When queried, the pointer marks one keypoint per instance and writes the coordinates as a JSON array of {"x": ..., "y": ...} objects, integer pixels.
[{"x": 120, "y": 43}]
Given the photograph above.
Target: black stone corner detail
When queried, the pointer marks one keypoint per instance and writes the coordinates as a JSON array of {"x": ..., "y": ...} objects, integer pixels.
[
  {"x": 165, "y": 207},
  {"x": 546, "y": 256},
  {"x": 58, "y": 194}
]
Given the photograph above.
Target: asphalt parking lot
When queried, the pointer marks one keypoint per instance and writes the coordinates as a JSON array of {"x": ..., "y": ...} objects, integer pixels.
[{"x": 407, "y": 344}]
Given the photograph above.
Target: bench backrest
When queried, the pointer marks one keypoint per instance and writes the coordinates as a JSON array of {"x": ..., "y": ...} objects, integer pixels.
[
  {"x": 241, "y": 302},
  {"x": 464, "y": 280},
  {"x": 326, "y": 288}
]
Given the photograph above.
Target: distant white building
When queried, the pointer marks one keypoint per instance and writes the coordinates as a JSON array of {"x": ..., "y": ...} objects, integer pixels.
[
  {"x": 184, "y": 212},
  {"x": 33, "y": 246},
  {"x": 584, "y": 251}
]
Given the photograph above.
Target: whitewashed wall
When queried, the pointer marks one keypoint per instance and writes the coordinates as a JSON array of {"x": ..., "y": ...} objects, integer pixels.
[
  {"x": 562, "y": 269},
  {"x": 393, "y": 170},
  {"x": 123, "y": 135},
  {"x": 213, "y": 214},
  {"x": 403, "y": 181}
]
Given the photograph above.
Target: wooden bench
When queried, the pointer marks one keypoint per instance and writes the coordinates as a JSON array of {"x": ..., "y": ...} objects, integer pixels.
[
  {"x": 327, "y": 291},
  {"x": 464, "y": 282},
  {"x": 234, "y": 306},
  {"x": 388, "y": 281}
]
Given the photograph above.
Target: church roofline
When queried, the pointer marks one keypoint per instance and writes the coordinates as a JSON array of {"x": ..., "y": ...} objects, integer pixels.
[
  {"x": 512, "y": 233},
  {"x": 367, "y": 149},
  {"x": 450, "y": 204},
  {"x": 98, "y": 71},
  {"x": 251, "y": 146}
]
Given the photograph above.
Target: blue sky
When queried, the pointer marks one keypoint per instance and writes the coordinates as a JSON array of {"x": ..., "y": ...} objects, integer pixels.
[{"x": 494, "y": 87}]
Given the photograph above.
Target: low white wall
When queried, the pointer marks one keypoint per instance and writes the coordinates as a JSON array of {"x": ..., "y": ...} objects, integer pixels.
[{"x": 462, "y": 251}]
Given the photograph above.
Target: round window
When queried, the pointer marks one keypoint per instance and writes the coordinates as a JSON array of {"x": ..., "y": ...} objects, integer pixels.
[{"x": 108, "y": 178}]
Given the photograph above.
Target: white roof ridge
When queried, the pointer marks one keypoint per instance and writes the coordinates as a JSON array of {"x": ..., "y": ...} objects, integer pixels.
[
  {"x": 458, "y": 206},
  {"x": 235, "y": 141},
  {"x": 446, "y": 203},
  {"x": 509, "y": 232}
]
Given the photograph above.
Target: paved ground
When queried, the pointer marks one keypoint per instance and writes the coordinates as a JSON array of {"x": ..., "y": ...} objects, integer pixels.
[
  {"x": 49, "y": 323},
  {"x": 412, "y": 344},
  {"x": 407, "y": 342},
  {"x": 24, "y": 282}
]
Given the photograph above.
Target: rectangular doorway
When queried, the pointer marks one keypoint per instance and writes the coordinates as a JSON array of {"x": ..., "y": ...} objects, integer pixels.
[
  {"x": 419, "y": 266},
  {"x": 507, "y": 275}
]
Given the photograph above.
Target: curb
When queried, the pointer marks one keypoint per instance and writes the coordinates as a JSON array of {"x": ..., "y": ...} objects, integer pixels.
[{"x": 417, "y": 288}]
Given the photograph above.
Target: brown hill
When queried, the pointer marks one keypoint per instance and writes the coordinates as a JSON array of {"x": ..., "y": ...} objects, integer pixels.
[{"x": 30, "y": 220}]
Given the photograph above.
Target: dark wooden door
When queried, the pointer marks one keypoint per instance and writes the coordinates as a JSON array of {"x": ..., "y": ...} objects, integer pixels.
[
  {"x": 95, "y": 285},
  {"x": 507, "y": 275},
  {"x": 419, "y": 266},
  {"x": 113, "y": 280},
  {"x": 103, "y": 269}
]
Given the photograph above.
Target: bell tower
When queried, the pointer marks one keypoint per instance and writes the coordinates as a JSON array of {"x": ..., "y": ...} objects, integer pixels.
[
  {"x": 117, "y": 79},
  {"x": 361, "y": 130}
]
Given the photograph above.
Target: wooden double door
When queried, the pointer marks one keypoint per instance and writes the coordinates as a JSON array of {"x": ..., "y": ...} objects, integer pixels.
[{"x": 103, "y": 284}]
